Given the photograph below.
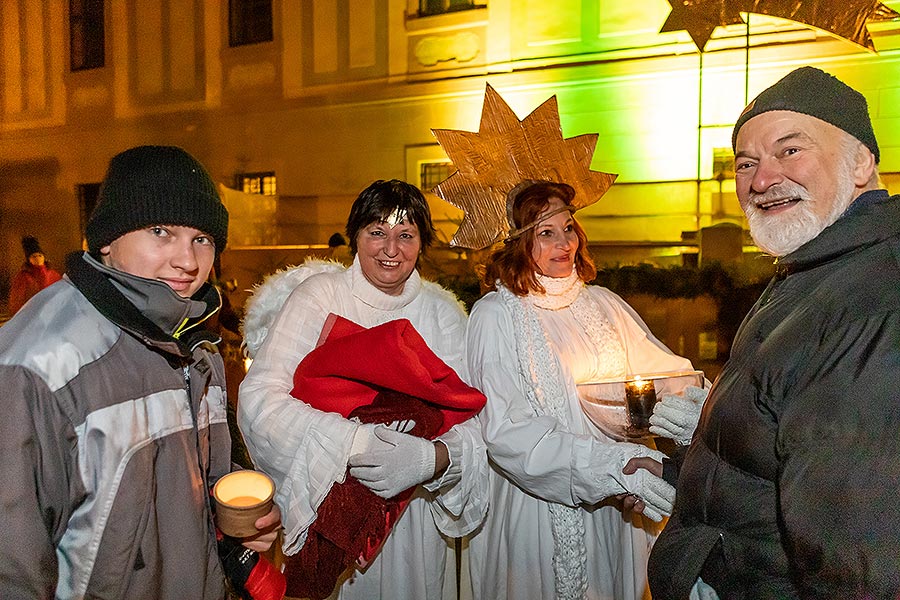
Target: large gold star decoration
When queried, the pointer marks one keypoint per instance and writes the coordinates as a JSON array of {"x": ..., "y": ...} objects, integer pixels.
[
  {"x": 700, "y": 17},
  {"x": 844, "y": 18},
  {"x": 506, "y": 151}
]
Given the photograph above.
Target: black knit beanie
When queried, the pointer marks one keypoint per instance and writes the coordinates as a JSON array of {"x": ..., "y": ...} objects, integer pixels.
[
  {"x": 818, "y": 94},
  {"x": 156, "y": 185},
  {"x": 31, "y": 246}
]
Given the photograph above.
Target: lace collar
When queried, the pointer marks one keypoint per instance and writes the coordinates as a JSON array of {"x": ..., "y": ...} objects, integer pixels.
[
  {"x": 372, "y": 296},
  {"x": 560, "y": 291}
]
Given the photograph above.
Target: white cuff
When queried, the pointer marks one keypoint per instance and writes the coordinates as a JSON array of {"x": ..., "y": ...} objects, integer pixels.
[
  {"x": 597, "y": 474},
  {"x": 362, "y": 439},
  {"x": 453, "y": 473}
]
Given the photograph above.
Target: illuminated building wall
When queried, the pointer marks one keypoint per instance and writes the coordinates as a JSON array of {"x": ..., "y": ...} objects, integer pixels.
[{"x": 347, "y": 91}]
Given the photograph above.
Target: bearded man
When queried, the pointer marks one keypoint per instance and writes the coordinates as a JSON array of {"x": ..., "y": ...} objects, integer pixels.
[{"x": 791, "y": 485}]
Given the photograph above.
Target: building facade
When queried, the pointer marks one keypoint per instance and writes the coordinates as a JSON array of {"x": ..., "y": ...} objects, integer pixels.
[{"x": 306, "y": 102}]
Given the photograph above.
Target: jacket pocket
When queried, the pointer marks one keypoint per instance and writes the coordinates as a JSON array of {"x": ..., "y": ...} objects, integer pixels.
[{"x": 121, "y": 560}]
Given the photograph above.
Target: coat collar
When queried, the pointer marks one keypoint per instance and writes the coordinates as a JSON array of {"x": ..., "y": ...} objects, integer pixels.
[{"x": 146, "y": 308}]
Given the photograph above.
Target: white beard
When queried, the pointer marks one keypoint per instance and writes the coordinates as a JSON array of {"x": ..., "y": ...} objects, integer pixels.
[{"x": 781, "y": 234}]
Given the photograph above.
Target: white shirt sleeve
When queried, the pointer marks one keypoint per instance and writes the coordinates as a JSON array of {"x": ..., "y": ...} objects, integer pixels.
[
  {"x": 303, "y": 449},
  {"x": 461, "y": 494}
]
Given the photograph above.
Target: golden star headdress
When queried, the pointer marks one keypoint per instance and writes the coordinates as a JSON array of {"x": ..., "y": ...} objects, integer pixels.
[
  {"x": 506, "y": 151},
  {"x": 846, "y": 19}
]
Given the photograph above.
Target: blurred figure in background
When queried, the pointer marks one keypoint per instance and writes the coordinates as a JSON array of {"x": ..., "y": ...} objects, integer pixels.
[
  {"x": 35, "y": 275},
  {"x": 338, "y": 250}
]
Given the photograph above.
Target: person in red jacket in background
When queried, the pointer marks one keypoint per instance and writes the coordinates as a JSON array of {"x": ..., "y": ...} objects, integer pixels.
[{"x": 34, "y": 275}]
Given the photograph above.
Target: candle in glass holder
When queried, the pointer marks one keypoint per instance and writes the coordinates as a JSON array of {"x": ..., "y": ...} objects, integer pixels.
[{"x": 640, "y": 396}]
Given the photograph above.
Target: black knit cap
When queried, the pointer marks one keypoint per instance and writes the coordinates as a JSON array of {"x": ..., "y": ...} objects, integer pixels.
[
  {"x": 818, "y": 94},
  {"x": 31, "y": 246},
  {"x": 156, "y": 185}
]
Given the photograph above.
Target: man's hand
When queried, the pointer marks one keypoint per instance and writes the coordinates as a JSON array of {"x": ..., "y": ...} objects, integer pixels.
[
  {"x": 649, "y": 494},
  {"x": 269, "y": 525}
]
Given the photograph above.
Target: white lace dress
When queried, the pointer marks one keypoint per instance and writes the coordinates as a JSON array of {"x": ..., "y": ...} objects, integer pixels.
[{"x": 548, "y": 533}]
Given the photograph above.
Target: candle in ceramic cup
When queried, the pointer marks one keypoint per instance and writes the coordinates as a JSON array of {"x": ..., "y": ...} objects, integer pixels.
[
  {"x": 241, "y": 498},
  {"x": 640, "y": 397}
]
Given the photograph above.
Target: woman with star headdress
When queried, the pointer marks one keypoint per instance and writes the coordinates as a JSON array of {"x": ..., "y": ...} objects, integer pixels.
[
  {"x": 560, "y": 524},
  {"x": 554, "y": 529}
]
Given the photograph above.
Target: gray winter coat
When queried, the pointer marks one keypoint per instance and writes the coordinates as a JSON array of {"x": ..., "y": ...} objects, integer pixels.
[{"x": 112, "y": 433}]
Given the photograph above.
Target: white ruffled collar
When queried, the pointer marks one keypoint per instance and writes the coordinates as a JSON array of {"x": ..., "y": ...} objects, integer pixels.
[
  {"x": 372, "y": 296},
  {"x": 560, "y": 291}
]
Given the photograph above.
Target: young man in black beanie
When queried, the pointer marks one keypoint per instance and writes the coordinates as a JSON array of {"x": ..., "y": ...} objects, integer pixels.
[
  {"x": 790, "y": 486},
  {"x": 114, "y": 425}
]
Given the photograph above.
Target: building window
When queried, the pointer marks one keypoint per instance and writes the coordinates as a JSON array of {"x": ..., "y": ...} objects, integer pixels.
[
  {"x": 437, "y": 7},
  {"x": 88, "y": 194},
  {"x": 86, "y": 36},
  {"x": 433, "y": 173},
  {"x": 249, "y": 22},
  {"x": 257, "y": 183}
]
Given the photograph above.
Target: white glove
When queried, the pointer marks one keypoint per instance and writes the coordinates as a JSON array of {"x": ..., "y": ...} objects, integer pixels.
[
  {"x": 676, "y": 415},
  {"x": 365, "y": 440},
  {"x": 404, "y": 461},
  {"x": 657, "y": 494}
]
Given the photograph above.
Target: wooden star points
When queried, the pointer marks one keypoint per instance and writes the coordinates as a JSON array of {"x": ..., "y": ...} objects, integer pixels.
[
  {"x": 846, "y": 19},
  {"x": 700, "y": 18},
  {"x": 506, "y": 151}
]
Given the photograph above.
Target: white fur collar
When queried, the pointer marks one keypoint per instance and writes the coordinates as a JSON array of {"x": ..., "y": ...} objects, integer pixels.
[{"x": 267, "y": 298}]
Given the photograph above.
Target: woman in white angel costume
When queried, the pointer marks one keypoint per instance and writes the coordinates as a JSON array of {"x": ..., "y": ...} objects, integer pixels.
[
  {"x": 573, "y": 512},
  {"x": 306, "y": 450},
  {"x": 555, "y": 529}
]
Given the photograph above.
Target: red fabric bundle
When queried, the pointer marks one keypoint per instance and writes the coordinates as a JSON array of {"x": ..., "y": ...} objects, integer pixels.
[{"x": 378, "y": 375}]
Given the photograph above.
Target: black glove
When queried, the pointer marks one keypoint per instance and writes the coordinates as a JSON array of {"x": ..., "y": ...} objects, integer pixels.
[{"x": 252, "y": 577}]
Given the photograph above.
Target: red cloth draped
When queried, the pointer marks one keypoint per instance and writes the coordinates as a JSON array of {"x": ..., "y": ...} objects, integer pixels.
[{"x": 378, "y": 375}]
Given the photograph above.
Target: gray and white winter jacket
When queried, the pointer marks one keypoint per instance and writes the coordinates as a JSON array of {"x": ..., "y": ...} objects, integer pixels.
[{"x": 113, "y": 430}]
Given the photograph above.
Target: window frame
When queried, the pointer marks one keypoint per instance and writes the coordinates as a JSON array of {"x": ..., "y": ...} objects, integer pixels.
[
  {"x": 439, "y": 167},
  {"x": 250, "y": 22},
  {"x": 260, "y": 178},
  {"x": 430, "y": 8}
]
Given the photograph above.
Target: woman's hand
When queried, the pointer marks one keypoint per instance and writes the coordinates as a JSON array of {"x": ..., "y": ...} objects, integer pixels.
[
  {"x": 268, "y": 525},
  {"x": 407, "y": 461},
  {"x": 676, "y": 416}
]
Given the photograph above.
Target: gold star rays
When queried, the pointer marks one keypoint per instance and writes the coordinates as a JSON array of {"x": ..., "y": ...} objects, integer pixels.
[
  {"x": 846, "y": 18},
  {"x": 506, "y": 151}
]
